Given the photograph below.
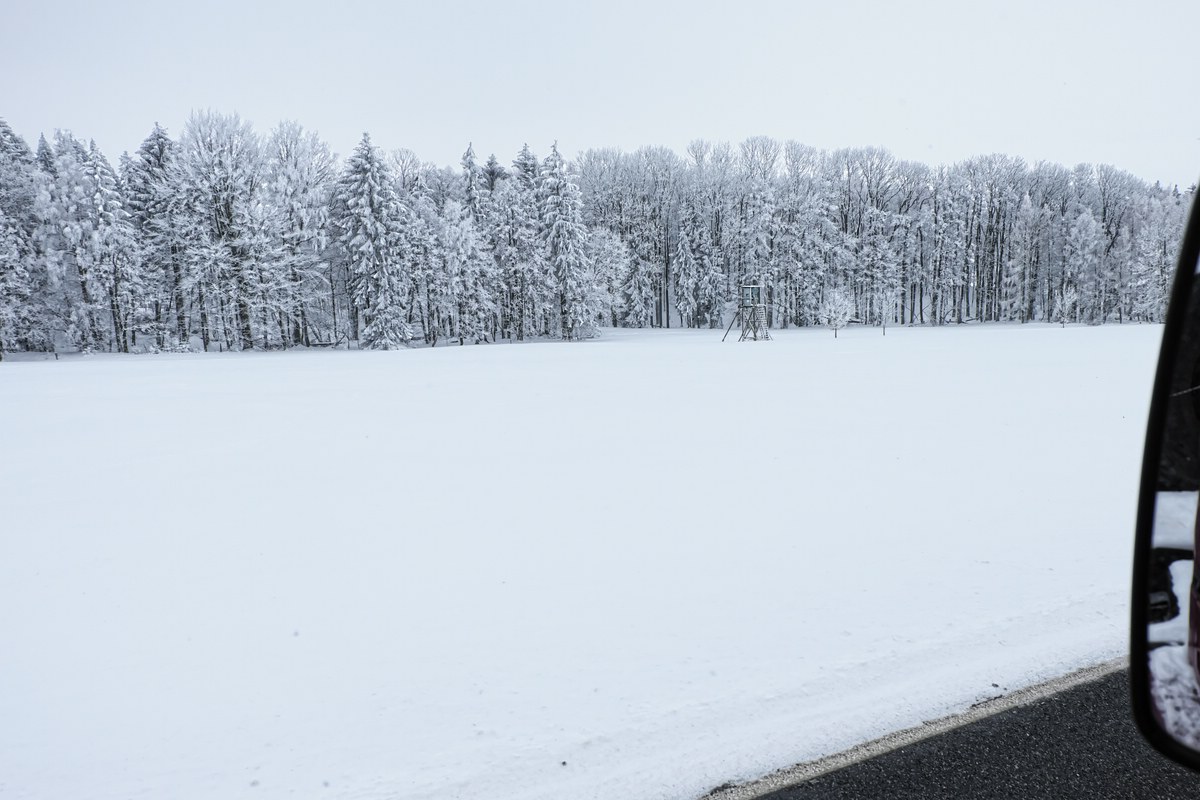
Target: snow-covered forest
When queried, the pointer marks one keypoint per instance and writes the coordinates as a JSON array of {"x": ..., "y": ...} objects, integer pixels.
[{"x": 227, "y": 239}]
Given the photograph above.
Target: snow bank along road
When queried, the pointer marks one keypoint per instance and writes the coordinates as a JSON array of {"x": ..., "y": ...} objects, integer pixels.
[
  {"x": 636, "y": 567},
  {"x": 1080, "y": 744}
]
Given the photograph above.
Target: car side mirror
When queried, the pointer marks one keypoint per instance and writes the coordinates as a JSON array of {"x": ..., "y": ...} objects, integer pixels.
[{"x": 1164, "y": 667}]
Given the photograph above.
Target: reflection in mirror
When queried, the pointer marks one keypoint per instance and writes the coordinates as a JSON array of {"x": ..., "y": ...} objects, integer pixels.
[
  {"x": 1172, "y": 643},
  {"x": 1170, "y": 592}
]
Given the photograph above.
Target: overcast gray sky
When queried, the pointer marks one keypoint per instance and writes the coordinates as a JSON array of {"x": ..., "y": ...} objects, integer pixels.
[{"x": 937, "y": 81}]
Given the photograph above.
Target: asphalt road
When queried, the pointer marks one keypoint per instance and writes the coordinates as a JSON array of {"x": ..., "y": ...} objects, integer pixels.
[{"x": 1080, "y": 743}]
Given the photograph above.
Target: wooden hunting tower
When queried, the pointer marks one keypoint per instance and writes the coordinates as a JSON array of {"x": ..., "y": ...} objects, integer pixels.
[{"x": 753, "y": 314}]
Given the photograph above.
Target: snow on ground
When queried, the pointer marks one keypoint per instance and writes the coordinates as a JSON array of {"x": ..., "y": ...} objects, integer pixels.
[
  {"x": 1176, "y": 696},
  {"x": 1175, "y": 520},
  {"x": 635, "y": 567}
]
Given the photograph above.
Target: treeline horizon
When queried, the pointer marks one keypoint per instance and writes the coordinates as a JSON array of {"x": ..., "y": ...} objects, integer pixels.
[{"x": 229, "y": 239}]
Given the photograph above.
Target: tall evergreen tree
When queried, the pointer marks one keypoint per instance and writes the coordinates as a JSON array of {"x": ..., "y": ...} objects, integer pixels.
[
  {"x": 516, "y": 246},
  {"x": 68, "y": 235},
  {"x": 45, "y": 155},
  {"x": 153, "y": 204},
  {"x": 472, "y": 199},
  {"x": 118, "y": 256},
  {"x": 525, "y": 168},
  {"x": 565, "y": 240},
  {"x": 370, "y": 231},
  {"x": 25, "y": 290},
  {"x": 493, "y": 173},
  {"x": 471, "y": 275},
  {"x": 15, "y": 291},
  {"x": 638, "y": 293}
]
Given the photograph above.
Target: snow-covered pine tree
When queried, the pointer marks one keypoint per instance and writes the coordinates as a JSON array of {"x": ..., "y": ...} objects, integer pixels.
[
  {"x": 989, "y": 238},
  {"x": 69, "y": 236},
  {"x": 711, "y": 292},
  {"x": 687, "y": 267},
  {"x": 18, "y": 179},
  {"x": 565, "y": 240},
  {"x": 699, "y": 283},
  {"x": 472, "y": 194},
  {"x": 116, "y": 251},
  {"x": 471, "y": 275},
  {"x": 525, "y": 168},
  {"x": 493, "y": 173},
  {"x": 526, "y": 271},
  {"x": 45, "y": 155},
  {"x": 14, "y": 285},
  {"x": 152, "y": 203},
  {"x": 524, "y": 276},
  {"x": 25, "y": 294},
  {"x": 370, "y": 231},
  {"x": 638, "y": 293}
]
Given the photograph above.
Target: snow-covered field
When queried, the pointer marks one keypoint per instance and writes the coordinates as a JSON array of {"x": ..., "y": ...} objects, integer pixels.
[{"x": 632, "y": 568}]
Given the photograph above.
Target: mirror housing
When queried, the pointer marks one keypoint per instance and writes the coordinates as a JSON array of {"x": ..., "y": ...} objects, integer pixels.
[{"x": 1164, "y": 664}]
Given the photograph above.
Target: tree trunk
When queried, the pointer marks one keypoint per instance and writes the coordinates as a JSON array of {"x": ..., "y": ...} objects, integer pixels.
[
  {"x": 243, "y": 316},
  {"x": 204, "y": 333},
  {"x": 181, "y": 332}
]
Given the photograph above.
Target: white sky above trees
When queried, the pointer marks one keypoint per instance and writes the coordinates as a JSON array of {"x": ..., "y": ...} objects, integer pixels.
[{"x": 1077, "y": 81}]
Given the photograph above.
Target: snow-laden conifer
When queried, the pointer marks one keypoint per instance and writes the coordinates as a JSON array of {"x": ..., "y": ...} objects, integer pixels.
[
  {"x": 14, "y": 285},
  {"x": 524, "y": 276},
  {"x": 69, "y": 235},
  {"x": 565, "y": 240},
  {"x": 638, "y": 293},
  {"x": 472, "y": 184},
  {"x": 369, "y": 223},
  {"x": 236, "y": 246},
  {"x": 153, "y": 202},
  {"x": 25, "y": 293},
  {"x": 471, "y": 276},
  {"x": 493, "y": 173},
  {"x": 118, "y": 257}
]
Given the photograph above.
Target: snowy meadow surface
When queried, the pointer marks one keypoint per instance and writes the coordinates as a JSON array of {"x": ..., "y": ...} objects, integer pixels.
[{"x": 634, "y": 567}]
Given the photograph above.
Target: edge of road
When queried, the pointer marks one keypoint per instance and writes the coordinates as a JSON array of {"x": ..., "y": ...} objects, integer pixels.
[{"x": 799, "y": 773}]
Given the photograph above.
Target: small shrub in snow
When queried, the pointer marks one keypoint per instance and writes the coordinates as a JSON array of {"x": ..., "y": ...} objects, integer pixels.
[{"x": 836, "y": 310}]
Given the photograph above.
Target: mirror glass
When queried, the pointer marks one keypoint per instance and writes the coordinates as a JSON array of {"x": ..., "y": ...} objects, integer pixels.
[{"x": 1166, "y": 630}]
